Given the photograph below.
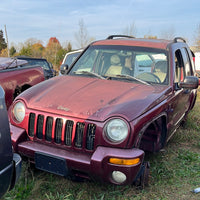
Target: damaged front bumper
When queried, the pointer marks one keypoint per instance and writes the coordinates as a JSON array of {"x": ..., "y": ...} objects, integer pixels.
[{"x": 114, "y": 165}]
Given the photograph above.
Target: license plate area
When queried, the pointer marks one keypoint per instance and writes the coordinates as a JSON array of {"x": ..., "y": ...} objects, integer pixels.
[{"x": 50, "y": 163}]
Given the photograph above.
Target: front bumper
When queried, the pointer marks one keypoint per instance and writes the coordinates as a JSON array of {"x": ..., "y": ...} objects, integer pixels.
[{"x": 65, "y": 162}]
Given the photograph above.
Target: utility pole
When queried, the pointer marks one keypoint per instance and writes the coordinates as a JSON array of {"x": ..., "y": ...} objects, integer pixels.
[{"x": 7, "y": 41}]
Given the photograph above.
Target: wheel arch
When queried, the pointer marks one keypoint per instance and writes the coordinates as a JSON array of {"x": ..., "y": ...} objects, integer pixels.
[
  {"x": 153, "y": 135},
  {"x": 20, "y": 89}
]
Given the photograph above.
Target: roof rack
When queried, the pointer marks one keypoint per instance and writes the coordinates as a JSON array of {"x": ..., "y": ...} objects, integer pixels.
[
  {"x": 110, "y": 37},
  {"x": 179, "y": 38}
]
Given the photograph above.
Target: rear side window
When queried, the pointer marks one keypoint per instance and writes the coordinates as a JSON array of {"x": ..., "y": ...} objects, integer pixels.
[{"x": 187, "y": 63}]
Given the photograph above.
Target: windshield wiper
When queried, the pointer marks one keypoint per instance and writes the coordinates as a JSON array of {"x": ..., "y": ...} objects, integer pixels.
[
  {"x": 89, "y": 73},
  {"x": 131, "y": 78}
]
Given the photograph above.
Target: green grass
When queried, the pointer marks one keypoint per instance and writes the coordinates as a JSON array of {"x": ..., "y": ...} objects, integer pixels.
[{"x": 175, "y": 172}]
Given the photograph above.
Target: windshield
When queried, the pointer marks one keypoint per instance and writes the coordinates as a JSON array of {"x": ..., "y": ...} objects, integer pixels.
[
  {"x": 123, "y": 62},
  {"x": 44, "y": 64}
]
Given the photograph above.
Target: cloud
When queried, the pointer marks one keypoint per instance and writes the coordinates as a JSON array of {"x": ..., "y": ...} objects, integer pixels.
[{"x": 59, "y": 18}]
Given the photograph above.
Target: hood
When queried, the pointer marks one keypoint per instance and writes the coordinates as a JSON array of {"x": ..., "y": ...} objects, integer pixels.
[{"x": 91, "y": 98}]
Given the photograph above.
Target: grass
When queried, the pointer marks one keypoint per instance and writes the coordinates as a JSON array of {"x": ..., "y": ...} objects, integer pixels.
[{"x": 175, "y": 172}]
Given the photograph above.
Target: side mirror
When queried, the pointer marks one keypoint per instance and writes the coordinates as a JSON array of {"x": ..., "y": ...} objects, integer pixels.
[
  {"x": 190, "y": 82},
  {"x": 63, "y": 69}
]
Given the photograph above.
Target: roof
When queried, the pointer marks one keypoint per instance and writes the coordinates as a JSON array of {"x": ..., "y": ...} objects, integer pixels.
[
  {"x": 142, "y": 42},
  {"x": 6, "y": 62}
]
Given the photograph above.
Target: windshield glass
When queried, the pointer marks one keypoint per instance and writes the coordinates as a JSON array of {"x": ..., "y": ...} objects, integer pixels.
[
  {"x": 146, "y": 64},
  {"x": 44, "y": 64}
]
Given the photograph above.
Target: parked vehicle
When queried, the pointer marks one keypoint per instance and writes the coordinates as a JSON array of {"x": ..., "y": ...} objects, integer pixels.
[
  {"x": 197, "y": 62},
  {"x": 10, "y": 164},
  {"x": 99, "y": 120},
  {"x": 49, "y": 72},
  {"x": 69, "y": 58},
  {"x": 15, "y": 79}
]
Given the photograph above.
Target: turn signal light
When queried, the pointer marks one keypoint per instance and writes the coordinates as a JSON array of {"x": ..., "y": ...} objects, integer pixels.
[{"x": 119, "y": 161}]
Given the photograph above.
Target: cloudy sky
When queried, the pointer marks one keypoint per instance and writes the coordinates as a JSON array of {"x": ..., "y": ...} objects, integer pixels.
[{"x": 42, "y": 19}]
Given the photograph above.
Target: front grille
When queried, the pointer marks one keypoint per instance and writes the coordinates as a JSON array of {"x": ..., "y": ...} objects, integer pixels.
[
  {"x": 62, "y": 131},
  {"x": 79, "y": 134}
]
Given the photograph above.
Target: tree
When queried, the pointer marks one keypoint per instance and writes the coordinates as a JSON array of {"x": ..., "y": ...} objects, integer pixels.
[
  {"x": 37, "y": 50},
  {"x": 130, "y": 30},
  {"x": 60, "y": 56},
  {"x": 12, "y": 51},
  {"x": 32, "y": 47},
  {"x": 53, "y": 41},
  {"x": 4, "y": 52},
  {"x": 26, "y": 51},
  {"x": 3, "y": 44},
  {"x": 69, "y": 47},
  {"x": 52, "y": 49},
  {"x": 81, "y": 36},
  {"x": 168, "y": 34}
]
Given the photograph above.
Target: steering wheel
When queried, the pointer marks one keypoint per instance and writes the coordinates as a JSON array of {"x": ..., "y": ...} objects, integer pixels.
[{"x": 148, "y": 76}]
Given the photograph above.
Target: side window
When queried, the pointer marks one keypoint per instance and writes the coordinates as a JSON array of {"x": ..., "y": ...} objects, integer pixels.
[
  {"x": 179, "y": 64},
  {"x": 190, "y": 57},
  {"x": 187, "y": 63}
]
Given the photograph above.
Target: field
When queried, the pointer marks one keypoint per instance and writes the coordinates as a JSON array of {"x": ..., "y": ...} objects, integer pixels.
[{"x": 175, "y": 172}]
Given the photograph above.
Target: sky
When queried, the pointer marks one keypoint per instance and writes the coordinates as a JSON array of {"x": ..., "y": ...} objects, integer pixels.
[{"x": 42, "y": 19}]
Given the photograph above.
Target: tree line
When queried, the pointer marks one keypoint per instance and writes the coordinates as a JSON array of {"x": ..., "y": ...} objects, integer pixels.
[{"x": 54, "y": 52}]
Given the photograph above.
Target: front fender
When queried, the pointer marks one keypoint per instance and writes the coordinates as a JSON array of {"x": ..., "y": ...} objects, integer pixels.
[{"x": 17, "y": 135}]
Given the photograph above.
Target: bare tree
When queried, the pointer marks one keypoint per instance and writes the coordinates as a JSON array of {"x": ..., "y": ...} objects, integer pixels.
[
  {"x": 168, "y": 33},
  {"x": 197, "y": 38},
  {"x": 130, "y": 30},
  {"x": 81, "y": 36},
  {"x": 32, "y": 41}
]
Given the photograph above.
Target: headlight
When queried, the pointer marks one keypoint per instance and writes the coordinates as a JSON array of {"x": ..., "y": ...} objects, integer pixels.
[
  {"x": 19, "y": 111},
  {"x": 116, "y": 130}
]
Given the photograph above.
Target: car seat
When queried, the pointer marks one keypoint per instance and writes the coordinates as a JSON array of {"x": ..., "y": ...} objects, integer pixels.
[
  {"x": 115, "y": 67},
  {"x": 160, "y": 70}
]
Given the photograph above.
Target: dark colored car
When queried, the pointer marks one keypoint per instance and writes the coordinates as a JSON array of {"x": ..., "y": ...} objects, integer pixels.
[
  {"x": 10, "y": 164},
  {"x": 49, "y": 72},
  {"x": 122, "y": 97}
]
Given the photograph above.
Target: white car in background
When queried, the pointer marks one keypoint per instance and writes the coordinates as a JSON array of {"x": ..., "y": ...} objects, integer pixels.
[
  {"x": 69, "y": 58},
  {"x": 197, "y": 62}
]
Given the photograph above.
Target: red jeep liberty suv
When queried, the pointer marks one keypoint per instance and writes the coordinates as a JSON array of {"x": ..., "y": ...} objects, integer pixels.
[{"x": 123, "y": 96}]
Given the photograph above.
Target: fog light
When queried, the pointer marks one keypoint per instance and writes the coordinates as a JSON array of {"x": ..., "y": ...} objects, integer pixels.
[{"x": 118, "y": 176}]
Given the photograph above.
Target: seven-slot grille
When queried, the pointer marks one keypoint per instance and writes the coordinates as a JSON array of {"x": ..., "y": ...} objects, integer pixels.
[{"x": 51, "y": 130}]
